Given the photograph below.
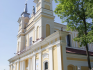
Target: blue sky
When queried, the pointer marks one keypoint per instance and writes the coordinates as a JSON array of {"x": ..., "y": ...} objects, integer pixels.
[{"x": 10, "y": 11}]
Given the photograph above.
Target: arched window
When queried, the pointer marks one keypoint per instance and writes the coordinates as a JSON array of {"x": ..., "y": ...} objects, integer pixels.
[
  {"x": 71, "y": 67},
  {"x": 47, "y": 30},
  {"x": 68, "y": 40},
  {"x": 46, "y": 65},
  {"x": 37, "y": 32}
]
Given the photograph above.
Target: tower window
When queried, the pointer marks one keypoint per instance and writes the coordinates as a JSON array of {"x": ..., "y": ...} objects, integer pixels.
[
  {"x": 18, "y": 48},
  {"x": 37, "y": 32},
  {"x": 47, "y": 30},
  {"x": 46, "y": 65},
  {"x": 30, "y": 41},
  {"x": 68, "y": 40},
  {"x": 47, "y": 7}
]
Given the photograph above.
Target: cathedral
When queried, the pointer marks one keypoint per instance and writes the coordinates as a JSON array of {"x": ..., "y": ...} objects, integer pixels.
[{"x": 43, "y": 44}]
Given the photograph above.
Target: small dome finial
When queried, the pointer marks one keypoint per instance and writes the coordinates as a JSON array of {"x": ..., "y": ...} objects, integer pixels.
[{"x": 25, "y": 14}]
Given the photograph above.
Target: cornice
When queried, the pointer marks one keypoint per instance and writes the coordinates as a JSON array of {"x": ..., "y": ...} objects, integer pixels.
[
  {"x": 20, "y": 34},
  {"x": 60, "y": 25},
  {"x": 77, "y": 56},
  {"x": 38, "y": 45}
]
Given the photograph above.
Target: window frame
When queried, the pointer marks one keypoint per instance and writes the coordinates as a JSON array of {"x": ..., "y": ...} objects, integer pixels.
[
  {"x": 44, "y": 65},
  {"x": 69, "y": 40}
]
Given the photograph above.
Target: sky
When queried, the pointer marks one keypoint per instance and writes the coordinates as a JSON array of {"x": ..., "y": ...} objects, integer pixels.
[{"x": 10, "y": 11}]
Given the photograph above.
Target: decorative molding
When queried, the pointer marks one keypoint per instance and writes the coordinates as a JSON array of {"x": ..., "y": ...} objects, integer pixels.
[
  {"x": 43, "y": 45},
  {"x": 55, "y": 39},
  {"x": 45, "y": 55},
  {"x": 77, "y": 59},
  {"x": 48, "y": 1}
]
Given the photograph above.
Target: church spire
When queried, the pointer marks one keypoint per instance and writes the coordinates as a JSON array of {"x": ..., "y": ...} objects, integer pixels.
[
  {"x": 25, "y": 14},
  {"x": 25, "y": 9}
]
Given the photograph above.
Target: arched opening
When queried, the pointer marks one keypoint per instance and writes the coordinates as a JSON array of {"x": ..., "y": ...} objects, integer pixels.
[
  {"x": 68, "y": 40},
  {"x": 37, "y": 36},
  {"x": 70, "y": 67},
  {"x": 47, "y": 30},
  {"x": 46, "y": 65}
]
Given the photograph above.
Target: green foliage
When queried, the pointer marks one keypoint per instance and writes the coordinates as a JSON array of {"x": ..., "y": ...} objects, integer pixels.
[{"x": 76, "y": 13}]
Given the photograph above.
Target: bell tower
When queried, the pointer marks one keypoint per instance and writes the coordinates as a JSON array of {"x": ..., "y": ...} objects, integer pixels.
[
  {"x": 45, "y": 10},
  {"x": 44, "y": 5},
  {"x": 23, "y": 20}
]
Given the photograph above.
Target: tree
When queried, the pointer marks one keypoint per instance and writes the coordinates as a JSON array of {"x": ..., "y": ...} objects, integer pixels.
[{"x": 77, "y": 14}]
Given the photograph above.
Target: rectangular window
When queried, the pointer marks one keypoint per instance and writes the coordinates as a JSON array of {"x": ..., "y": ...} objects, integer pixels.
[
  {"x": 30, "y": 43},
  {"x": 68, "y": 41}
]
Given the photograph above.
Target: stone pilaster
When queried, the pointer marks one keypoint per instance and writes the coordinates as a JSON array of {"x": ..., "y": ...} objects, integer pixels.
[
  {"x": 9, "y": 67},
  {"x": 34, "y": 62},
  {"x": 18, "y": 65},
  {"x": 15, "y": 67},
  {"x": 29, "y": 64},
  {"x": 59, "y": 57},
  {"x": 23, "y": 65},
  {"x": 40, "y": 60},
  {"x": 51, "y": 58}
]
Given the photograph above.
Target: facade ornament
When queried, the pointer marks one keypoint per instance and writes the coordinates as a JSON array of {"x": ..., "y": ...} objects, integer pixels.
[{"x": 33, "y": 10}]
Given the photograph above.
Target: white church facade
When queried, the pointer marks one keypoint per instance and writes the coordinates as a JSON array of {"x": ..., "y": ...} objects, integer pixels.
[{"x": 43, "y": 44}]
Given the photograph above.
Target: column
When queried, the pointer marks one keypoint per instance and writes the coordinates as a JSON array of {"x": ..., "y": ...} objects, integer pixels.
[
  {"x": 12, "y": 67},
  {"x": 9, "y": 67},
  {"x": 34, "y": 62},
  {"x": 15, "y": 66},
  {"x": 18, "y": 65},
  {"x": 23, "y": 65},
  {"x": 40, "y": 61},
  {"x": 51, "y": 58},
  {"x": 61, "y": 53},
  {"x": 59, "y": 57},
  {"x": 29, "y": 64},
  {"x": 63, "y": 56}
]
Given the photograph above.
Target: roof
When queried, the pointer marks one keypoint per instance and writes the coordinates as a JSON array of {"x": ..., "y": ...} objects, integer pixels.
[{"x": 77, "y": 51}]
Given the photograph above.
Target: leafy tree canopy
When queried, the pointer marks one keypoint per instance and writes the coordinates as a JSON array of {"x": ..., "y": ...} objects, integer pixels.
[{"x": 77, "y": 14}]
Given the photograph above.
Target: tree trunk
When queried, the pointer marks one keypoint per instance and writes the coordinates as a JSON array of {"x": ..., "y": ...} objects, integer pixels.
[
  {"x": 88, "y": 58},
  {"x": 87, "y": 53}
]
